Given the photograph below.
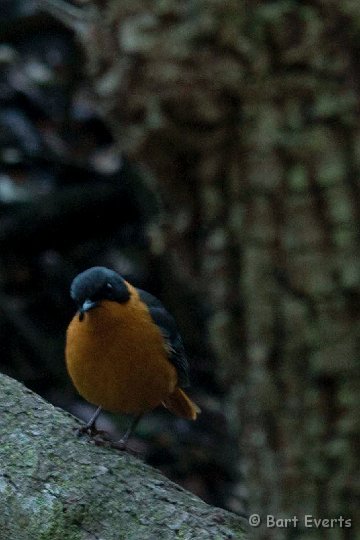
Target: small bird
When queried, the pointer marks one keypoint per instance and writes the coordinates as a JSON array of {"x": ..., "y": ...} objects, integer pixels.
[{"x": 123, "y": 350}]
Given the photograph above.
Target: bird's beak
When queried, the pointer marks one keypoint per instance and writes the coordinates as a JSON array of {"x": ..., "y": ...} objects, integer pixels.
[{"x": 87, "y": 305}]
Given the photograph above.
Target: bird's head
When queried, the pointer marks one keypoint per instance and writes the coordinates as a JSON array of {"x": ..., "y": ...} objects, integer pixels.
[{"x": 98, "y": 283}]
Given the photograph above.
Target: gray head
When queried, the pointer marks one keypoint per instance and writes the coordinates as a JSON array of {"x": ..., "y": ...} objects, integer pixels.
[{"x": 96, "y": 284}]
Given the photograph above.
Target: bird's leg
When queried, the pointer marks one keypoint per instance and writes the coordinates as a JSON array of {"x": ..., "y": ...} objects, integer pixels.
[
  {"x": 121, "y": 444},
  {"x": 90, "y": 428},
  {"x": 91, "y": 423}
]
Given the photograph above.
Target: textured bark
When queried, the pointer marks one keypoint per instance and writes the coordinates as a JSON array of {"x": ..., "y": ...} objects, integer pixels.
[
  {"x": 247, "y": 113},
  {"x": 56, "y": 486}
]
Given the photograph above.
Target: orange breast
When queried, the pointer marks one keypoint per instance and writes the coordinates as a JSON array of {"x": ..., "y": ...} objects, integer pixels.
[{"x": 116, "y": 357}]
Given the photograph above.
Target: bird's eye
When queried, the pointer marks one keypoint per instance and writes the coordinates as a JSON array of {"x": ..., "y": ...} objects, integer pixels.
[{"x": 109, "y": 286}]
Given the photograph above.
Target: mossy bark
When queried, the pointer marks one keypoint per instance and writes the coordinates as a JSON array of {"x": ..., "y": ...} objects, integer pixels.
[
  {"x": 54, "y": 485},
  {"x": 247, "y": 113}
]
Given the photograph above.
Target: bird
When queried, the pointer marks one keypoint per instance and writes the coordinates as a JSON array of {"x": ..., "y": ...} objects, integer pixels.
[{"x": 123, "y": 350}]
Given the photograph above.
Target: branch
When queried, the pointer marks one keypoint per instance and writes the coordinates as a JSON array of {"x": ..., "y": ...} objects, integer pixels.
[{"x": 55, "y": 485}]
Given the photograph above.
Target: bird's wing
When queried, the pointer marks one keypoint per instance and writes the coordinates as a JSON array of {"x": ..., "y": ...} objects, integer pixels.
[{"x": 170, "y": 333}]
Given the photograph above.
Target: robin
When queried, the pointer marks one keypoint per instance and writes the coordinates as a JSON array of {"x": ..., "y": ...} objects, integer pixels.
[{"x": 123, "y": 350}]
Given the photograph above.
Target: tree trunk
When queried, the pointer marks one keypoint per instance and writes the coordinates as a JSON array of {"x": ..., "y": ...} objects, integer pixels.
[
  {"x": 56, "y": 486},
  {"x": 247, "y": 114}
]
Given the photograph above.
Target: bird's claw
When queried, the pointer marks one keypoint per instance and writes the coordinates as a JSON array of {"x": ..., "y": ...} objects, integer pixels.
[
  {"x": 118, "y": 445},
  {"x": 122, "y": 445},
  {"x": 90, "y": 431}
]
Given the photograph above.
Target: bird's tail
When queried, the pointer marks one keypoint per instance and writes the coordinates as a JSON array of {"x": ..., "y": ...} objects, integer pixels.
[{"x": 181, "y": 405}]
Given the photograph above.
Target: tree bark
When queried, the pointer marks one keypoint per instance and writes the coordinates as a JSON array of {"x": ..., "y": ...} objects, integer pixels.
[
  {"x": 247, "y": 113},
  {"x": 56, "y": 486}
]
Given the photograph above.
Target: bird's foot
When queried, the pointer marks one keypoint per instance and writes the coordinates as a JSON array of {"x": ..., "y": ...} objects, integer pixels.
[
  {"x": 90, "y": 431},
  {"x": 101, "y": 438},
  {"x": 122, "y": 445},
  {"x": 119, "y": 445}
]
